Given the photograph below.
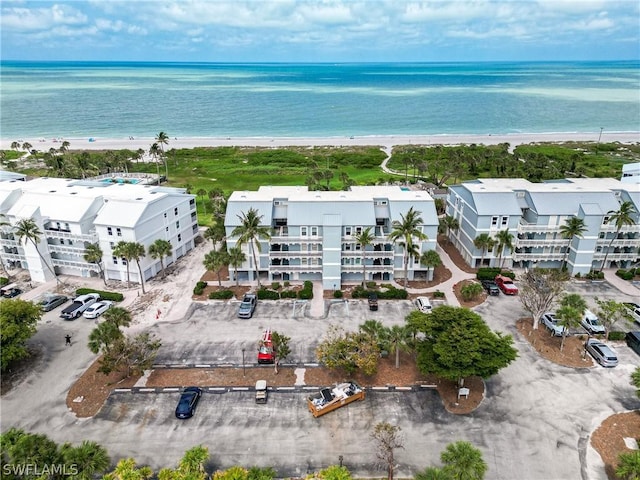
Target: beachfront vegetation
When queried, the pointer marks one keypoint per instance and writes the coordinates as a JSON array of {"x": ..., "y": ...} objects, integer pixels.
[{"x": 212, "y": 173}]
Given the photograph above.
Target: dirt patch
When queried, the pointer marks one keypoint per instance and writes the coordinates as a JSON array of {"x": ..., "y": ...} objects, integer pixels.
[
  {"x": 440, "y": 275},
  {"x": 608, "y": 439},
  {"x": 454, "y": 255},
  {"x": 573, "y": 353},
  {"x": 94, "y": 387}
]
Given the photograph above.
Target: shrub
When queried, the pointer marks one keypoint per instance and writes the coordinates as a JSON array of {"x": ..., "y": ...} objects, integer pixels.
[
  {"x": 4, "y": 281},
  {"x": 438, "y": 294},
  {"x": 371, "y": 284},
  {"x": 616, "y": 336},
  {"x": 625, "y": 274},
  {"x": 487, "y": 273},
  {"x": 201, "y": 284},
  {"x": 221, "y": 295},
  {"x": 113, "y": 296},
  {"x": 470, "y": 291},
  {"x": 288, "y": 294},
  {"x": 511, "y": 275},
  {"x": 276, "y": 286},
  {"x": 199, "y": 288},
  {"x": 265, "y": 294},
  {"x": 307, "y": 291},
  {"x": 577, "y": 275},
  {"x": 393, "y": 293},
  {"x": 286, "y": 283},
  {"x": 359, "y": 292},
  {"x": 337, "y": 294},
  {"x": 593, "y": 275}
]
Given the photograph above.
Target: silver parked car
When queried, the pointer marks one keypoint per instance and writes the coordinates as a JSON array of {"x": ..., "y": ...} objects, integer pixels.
[
  {"x": 601, "y": 353},
  {"x": 551, "y": 322}
]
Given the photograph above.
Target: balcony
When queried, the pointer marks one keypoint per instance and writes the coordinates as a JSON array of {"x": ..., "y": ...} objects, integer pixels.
[
  {"x": 370, "y": 268},
  {"x": 277, "y": 269},
  {"x": 631, "y": 256},
  {"x": 619, "y": 242},
  {"x": 369, "y": 253},
  {"x": 91, "y": 237},
  {"x": 66, "y": 249},
  {"x": 541, "y": 243},
  {"x": 610, "y": 227},
  {"x": 78, "y": 265},
  {"x": 541, "y": 256},
  {"x": 8, "y": 242},
  {"x": 294, "y": 254},
  {"x": 525, "y": 227}
]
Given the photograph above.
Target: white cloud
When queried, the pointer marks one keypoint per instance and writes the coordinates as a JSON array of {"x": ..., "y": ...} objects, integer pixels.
[{"x": 33, "y": 19}]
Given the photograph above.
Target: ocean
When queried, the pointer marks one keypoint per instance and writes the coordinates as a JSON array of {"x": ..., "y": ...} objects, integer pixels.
[{"x": 115, "y": 99}]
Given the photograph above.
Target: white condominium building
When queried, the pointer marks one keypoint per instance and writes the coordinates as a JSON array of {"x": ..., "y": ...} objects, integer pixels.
[
  {"x": 534, "y": 213},
  {"x": 313, "y": 233},
  {"x": 74, "y": 213}
]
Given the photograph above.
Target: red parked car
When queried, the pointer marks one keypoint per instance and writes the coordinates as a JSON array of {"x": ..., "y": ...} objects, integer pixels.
[
  {"x": 265, "y": 350},
  {"x": 506, "y": 285}
]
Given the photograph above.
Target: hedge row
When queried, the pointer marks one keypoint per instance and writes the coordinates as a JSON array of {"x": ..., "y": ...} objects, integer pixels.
[
  {"x": 616, "y": 336},
  {"x": 114, "y": 296},
  {"x": 391, "y": 293},
  {"x": 221, "y": 295},
  {"x": 489, "y": 273},
  {"x": 627, "y": 274}
]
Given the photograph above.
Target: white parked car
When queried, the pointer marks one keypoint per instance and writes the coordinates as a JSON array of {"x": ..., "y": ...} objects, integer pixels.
[
  {"x": 591, "y": 323},
  {"x": 97, "y": 309},
  {"x": 423, "y": 304}
]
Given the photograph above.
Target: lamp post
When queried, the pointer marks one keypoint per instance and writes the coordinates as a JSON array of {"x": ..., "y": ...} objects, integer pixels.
[{"x": 243, "y": 369}]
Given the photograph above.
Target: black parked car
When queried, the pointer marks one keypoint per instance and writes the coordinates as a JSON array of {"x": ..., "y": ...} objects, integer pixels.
[
  {"x": 52, "y": 301},
  {"x": 491, "y": 287},
  {"x": 188, "y": 402}
]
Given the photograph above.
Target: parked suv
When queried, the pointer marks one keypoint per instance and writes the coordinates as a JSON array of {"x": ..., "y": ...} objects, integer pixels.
[
  {"x": 423, "y": 304},
  {"x": 551, "y": 322},
  {"x": 633, "y": 340},
  {"x": 491, "y": 287}
]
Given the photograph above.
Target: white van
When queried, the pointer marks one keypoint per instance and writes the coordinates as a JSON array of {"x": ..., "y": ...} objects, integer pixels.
[
  {"x": 591, "y": 323},
  {"x": 424, "y": 304}
]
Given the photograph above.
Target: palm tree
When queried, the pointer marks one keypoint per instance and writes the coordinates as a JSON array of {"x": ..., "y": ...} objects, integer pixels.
[
  {"x": 215, "y": 233},
  {"x": 93, "y": 254},
  {"x": 160, "y": 249},
  {"x": 89, "y": 458},
  {"x": 485, "y": 243},
  {"x": 236, "y": 259},
  {"x": 621, "y": 217},
  {"x": 162, "y": 139},
  {"x": 449, "y": 223},
  {"x": 215, "y": 260},
  {"x": 27, "y": 229},
  {"x": 120, "y": 250},
  {"x": 573, "y": 227},
  {"x": 430, "y": 259},
  {"x": 397, "y": 337},
  {"x": 628, "y": 465},
  {"x": 364, "y": 238},
  {"x": 201, "y": 192},
  {"x": 404, "y": 231},
  {"x": 136, "y": 251},
  {"x": 504, "y": 241},
  {"x": 462, "y": 461},
  {"x": 572, "y": 307},
  {"x": 193, "y": 461},
  {"x": 104, "y": 336},
  {"x": 155, "y": 151},
  {"x": 250, "y": 232},
  {"x": 119, "y": 316},
  {"x": 126, "y": 469}
]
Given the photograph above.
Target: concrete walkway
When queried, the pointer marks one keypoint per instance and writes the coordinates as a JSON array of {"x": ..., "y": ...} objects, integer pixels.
[{"x": 623, "y": 285}]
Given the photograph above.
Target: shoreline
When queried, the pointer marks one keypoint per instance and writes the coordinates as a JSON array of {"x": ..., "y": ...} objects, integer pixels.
[{"x": 384, "y": 141}]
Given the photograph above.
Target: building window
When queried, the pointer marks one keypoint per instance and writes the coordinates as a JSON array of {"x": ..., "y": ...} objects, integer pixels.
[
  {"x": 124, "y": 261},
  {"x": 179, "y": 237},
  {"x": 358, "y": 230},
  {"x": 175, "y": 211},
  {"x": 109, "y": 231},
  {"x": 166, "y": 229},
  {"x": 118, "y": 232},
  {"x": 112, "y": 244},
  {"x": 66, "y": 226},
  {"x": 304, "y": 247},
  {"x": 303, "y": 231},
  {"x": 504, "y": 221},
  {"x": 115, "y": 260},
  {"x": 347, "y": 231},
  {"x": 303, "y": 261},
  {"x": 601, "y": 235},
  {"x": 358, "y": 247},
  {"x": 178, "y": 224},
  {"x": 314, "y": 231},
  {"x": 494, "y": 221},
  {"x": 347, "y": 247},
  {"x": 165, "y": 214},
  {"x": 605, "y": 220}
]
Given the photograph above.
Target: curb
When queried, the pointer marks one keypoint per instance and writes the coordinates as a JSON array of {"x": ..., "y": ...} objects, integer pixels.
[{"x": 292, "y": 389}]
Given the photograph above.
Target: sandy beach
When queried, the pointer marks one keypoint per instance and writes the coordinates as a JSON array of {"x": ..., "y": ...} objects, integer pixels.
[{"x": 136, "y": 143}]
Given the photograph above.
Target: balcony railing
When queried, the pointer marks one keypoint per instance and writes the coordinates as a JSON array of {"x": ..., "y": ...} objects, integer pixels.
[
  {"x": 631, "y": 256},
  {"x": 71, "y": 264},
  {"x": 370, "y": 268},
  {"x": 294, "y": 239},
  {"x": 276, "y": 269},
  {"x": 66, "y": 249},
  {"x": 294, "y": 253},
  {"x": 7, "y": 242},
  {"x": 369, "y": 253},
  {"x": 524, "y": 227},
  {"x": 541, "y": 242},
  {"x": 619, "y": 242},
  {"x": 537, "y": 256},
  {"x": 82, "y": 237}
]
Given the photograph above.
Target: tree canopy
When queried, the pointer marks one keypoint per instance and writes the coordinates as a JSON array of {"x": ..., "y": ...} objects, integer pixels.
[
  {"x": 18, "y": 320},
  {"x": 458, "y": 344}
]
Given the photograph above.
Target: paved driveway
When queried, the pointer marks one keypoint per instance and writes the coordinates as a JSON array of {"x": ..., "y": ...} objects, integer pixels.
[{"x": 534, "y": 423}]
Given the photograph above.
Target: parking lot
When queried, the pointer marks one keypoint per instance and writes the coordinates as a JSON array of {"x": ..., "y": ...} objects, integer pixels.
[{"x": 534, "y": 423}]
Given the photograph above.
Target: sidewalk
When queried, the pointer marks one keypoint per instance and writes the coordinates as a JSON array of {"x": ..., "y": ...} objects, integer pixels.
[{"x": 623, "y": 285}]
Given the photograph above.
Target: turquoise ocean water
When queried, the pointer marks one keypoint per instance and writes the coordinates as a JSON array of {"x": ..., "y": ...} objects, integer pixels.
[{"x": 49, "y": 99}]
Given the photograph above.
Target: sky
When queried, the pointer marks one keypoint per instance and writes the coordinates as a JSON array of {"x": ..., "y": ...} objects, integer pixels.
[{"x": 320, "y": 30}]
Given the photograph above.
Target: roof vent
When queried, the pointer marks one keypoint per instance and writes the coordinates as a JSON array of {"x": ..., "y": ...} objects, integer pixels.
[
  {"x": 139, "y": 198},
  {"x": 74, "y": 193},
  {"x": 52, "y": 191}
]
